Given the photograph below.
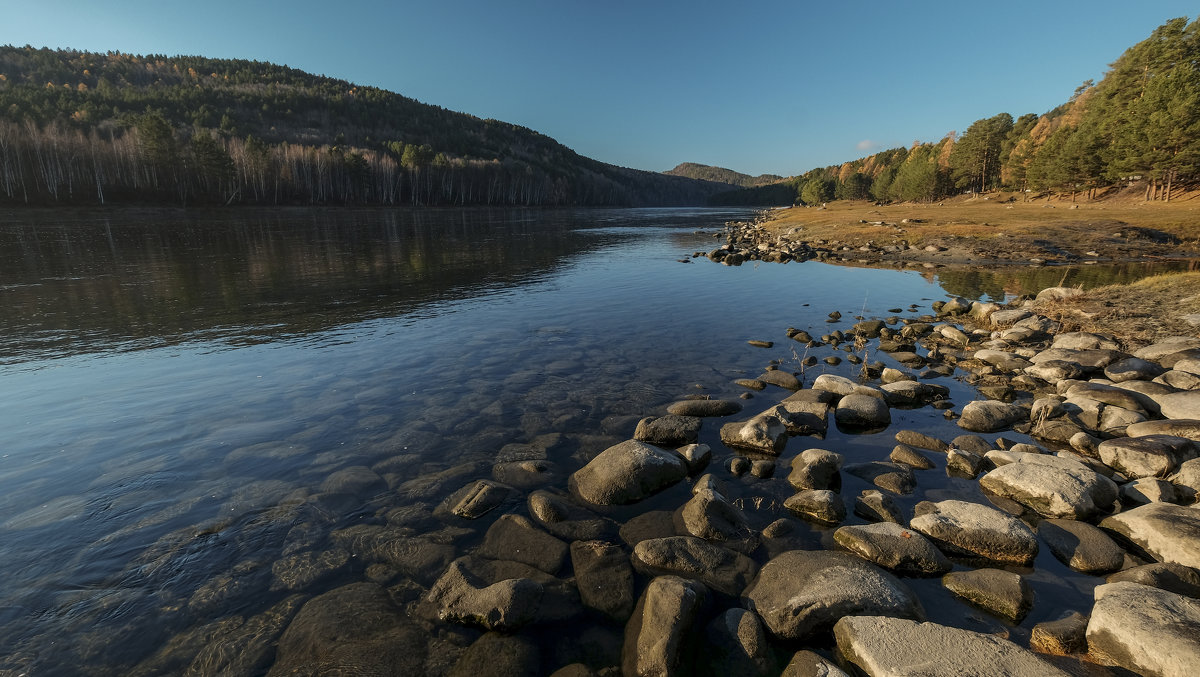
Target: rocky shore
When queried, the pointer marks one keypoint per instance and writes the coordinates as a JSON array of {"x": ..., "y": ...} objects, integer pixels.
[
  {"x": 907, "y": 242},
  {"x": 645, "y": 547}
]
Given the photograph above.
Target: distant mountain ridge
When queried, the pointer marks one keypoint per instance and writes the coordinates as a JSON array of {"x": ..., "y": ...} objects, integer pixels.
[
  {"x": 722, "y": 175},
  {"x": 81, "y": 127}
]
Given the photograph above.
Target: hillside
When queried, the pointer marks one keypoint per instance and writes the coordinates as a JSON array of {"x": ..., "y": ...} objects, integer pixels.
[
  {"x": 721, "y": 175},
  {"x": 80, "y": 127},
  {"x": 1137, "y": 129}
]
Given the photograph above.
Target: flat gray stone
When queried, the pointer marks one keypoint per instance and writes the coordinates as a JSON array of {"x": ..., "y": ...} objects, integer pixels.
[
  {"x": 895, "y": 647},
  {"x": 1144, "y": 629},
  {"x": 704, "y": 408},
  {"x": 1066, "y": 489},
  {"x": 1189, "y": 428},
  {"x": 801, "y": 593},
  {"x": 668, "y": 431},
  {"x": 817, "y": 505},
  {"x": 893, "y": 547},
  {"x": 1147, "y": 455},
  {"x": 1184, "y": 405},
  {"x": 1174, "y": 578},
  {"x": 972, "y": 530},
  {"x": 1168, "y": 533},
  {"x": 876, "y": 506},
  {"x": 921, "y": 441},
  {"x": 985, "y": 416}
]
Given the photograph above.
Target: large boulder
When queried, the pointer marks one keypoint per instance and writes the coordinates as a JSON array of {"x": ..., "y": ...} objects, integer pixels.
[
  {"x": 817, "y": 505},
  {"x": 801, "y": 593},
  {"x": 658, "y": 635},
  {"x": 626, "y": 473},
  {"x": 815, "y": 469},
  {"x": 862, "y": 411},
  {"x": 1184, "y": 405},
  {"x": 986, "y": 416},
  {"x": 1148, "y": 455},
  {"x": 894, "y": 647},
  {"x": 1168, "y": 533},
  {"x": 972, "y": 530},
  {"x": 893, "y": 547},
  {"x": 1063, "y": 489},
  {"x": 1145, "y": 630}
]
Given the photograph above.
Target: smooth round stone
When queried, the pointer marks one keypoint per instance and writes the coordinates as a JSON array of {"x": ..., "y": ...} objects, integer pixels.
[
  {"x": 818, "y": 505},
  {"x": 1145, "y": 630},
  {"x": 893, "y": 547},
  {"x": 1000, "y": 592},
  {"x": 972, "y": 530},
  {"x": 1081, "y": 546}
]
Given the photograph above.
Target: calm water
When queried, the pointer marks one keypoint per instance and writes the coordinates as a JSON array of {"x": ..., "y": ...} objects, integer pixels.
[{"x": 177, "y": 388}]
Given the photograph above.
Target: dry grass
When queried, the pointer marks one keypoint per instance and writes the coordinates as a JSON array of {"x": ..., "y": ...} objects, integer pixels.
[
  {"x": 1138, "y": 313},
  {"x": 994, "y": 217}
]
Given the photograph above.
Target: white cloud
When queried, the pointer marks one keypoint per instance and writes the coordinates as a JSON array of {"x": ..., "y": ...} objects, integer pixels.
[{"x": 867, "y": 144}]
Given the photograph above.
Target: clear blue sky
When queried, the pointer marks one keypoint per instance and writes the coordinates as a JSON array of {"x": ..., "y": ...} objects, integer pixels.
[{"x": 770, "y": 86}]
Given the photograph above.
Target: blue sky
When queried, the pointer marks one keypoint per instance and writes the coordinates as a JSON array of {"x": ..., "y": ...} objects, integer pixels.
[{"x": 759, "y": 86}]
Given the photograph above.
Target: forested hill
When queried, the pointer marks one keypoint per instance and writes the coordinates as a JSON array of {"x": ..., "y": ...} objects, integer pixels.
[
  {"x": 1138, "y": 129},
  {"x": 85, "y": 128},
  {"x": 721, "y": 175}
]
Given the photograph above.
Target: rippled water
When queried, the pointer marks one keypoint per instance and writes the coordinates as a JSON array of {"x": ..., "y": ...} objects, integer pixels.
[{"x": 178, "y": 389}]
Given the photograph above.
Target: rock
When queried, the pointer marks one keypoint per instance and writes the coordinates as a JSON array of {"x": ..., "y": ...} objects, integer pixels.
[
  {"x": 921, "y": 441},
  {"x": 751, "y": 383},
  {"x": 1081, "y": 340},
  {"x": 1065, "y": 489},
  {"x": 657, "y": 635},
  {"x": 1180, "y": 380},
  {"x": 1189, "y": 428},
  {"x": 1148, "y": 490},
  {"x": 604, "y": 577},
  {"x": 1165, "y": 347},
  {"x": 566, "y": 519},
  {"x": 1091, "y": 361},
  {"x": 736, "y": 644},
  {"x": 815, "y": 469},
  {"x": 1081, "y": 546},
  {"x": 739, "y": 465},
  {"x": 882, "y": 646},
  {"x": 710, "y": 516},
  {"x": 1169, "y": 533},
  {"x": 1118, "y": 397},
  {"x": 782, "y": 379},
  {"x": 356, "y": 628},
  {"x": 474, "y": 500},
  {"x": 906, "y": 455},
  {"x": 804, "y": 418},
  {"x": 626, "y": 473},
  {"x": 910, "y": 393},
  {"x": 892, "y": 477},
  {"x": 1067, "y": 635},
  {"x": 696, "y": 456},
  {"x": 801, "y": 593},
  {"x": 702, "y": 408},
  {"x": 1131, "y": 369},
  {"x": 1144, "y": 629},
  {"x": 1003, "y": 318},
  {"x": 356, "y": 480},
  {"x": 507, "y": 605},
  {"x": 838, "y": 385},
  {"x": 1187, "y": 480},
  {"x": 868, "y": 328},
  {"x": 971, "y": 530},
  {"x": 525, "y": 474},
  {"x": 499, "y": 655},
  {"x": 877, "y": 506},
  {"x": 817, "y": 505},
  {"x": 718, "y": 568},
  {"x": 1002, "y": 360},
  {"x": 810, "y": 664},
  {"x": 648, "y": 525},
  {"x": 893, "y": 547},
  {"x": 1174, "y": 578},
  {"x": 668, "y": 431},
  {"x": 989, "y": 416},
  {"x": 515, "y": 538},
  {"x": 1148, "y": 455},
  {"x": 963, "y": 463},
  {"x": 762, "y": 468},
  {"x": 1000, "y": 592},
  {"x": 858, "y": 411},
  {"x": 764, "y": 433},
  {"x": 1184, "y": 405}
]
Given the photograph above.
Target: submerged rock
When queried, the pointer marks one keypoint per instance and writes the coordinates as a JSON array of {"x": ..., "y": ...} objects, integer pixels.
[
  {"x": 507, "y": 605},
  {"x": 704, "y": 408},
  {"x": 604, "y": 577}
]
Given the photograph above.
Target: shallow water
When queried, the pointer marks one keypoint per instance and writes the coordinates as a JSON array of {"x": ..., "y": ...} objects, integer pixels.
[{"x": 178, "y": 387}]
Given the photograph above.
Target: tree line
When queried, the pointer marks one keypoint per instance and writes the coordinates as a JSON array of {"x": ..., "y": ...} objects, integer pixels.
[
  {"x": 1140, "y": 125},
  {"x": 86, "y": 128}
]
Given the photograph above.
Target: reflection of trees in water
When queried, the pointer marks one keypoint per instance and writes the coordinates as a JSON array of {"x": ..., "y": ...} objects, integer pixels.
[
  {"x": 162, "y": 276},
  {"x": 998, "y": 284}
]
